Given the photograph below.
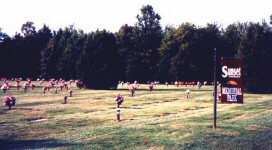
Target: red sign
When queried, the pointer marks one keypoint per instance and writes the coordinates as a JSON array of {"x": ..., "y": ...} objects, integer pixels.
[{"x": 232, "y": 85}]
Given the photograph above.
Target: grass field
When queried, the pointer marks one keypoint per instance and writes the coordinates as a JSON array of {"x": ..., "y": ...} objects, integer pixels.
[{"x": 161, "y": 119}]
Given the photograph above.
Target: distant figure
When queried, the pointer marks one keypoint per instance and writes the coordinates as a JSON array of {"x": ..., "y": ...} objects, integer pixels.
[
  {"x": 166, "y": 83},
  {"x": 122, "y": 83},
  {"x": 9, "y": 101},
  {"x": 187, "y": 92}
]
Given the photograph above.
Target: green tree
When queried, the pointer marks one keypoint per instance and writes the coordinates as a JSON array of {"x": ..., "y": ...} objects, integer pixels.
[
  {"x": 148, "y": 36},
  {"x": 99, "y": 64},
  {"x": 28, "y": 28}
]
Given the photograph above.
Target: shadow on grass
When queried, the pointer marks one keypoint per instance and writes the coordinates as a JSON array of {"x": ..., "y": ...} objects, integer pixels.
[{"x": 33, "y": 144}]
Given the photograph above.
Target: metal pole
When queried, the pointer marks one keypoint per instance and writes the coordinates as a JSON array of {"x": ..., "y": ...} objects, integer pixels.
[{"x": 215, "y": 91}]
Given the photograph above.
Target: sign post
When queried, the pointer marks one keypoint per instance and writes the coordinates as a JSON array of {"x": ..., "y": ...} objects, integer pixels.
[
  {"x": 232, "y": 85},
  {"x": 215, "y": 91}
]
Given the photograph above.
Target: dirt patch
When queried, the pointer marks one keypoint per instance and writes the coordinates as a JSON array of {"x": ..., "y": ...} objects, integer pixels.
[
  {"x": 245, "y": 116},
  {"x": 269, "y": 111},
  {"x": 253, "y": 128},
  {"x": 95, "y": 112},
  {"x": 36, "y": 112},
  {"x": 122, "y": 120}
]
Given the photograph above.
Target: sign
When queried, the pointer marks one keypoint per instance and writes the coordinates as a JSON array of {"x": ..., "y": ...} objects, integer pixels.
[{"x": 232, "y": 85}]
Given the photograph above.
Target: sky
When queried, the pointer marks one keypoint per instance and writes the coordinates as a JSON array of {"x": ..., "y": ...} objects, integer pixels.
[{"x": 90, "y": 15}]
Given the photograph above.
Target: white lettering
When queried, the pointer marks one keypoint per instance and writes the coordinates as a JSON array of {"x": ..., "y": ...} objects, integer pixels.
[
  {"x": 233, "y": 91},
  {"x": 231, "y": 72},
  {"x": 232, "y": 98},
  {"x": 225, "y": 72}
]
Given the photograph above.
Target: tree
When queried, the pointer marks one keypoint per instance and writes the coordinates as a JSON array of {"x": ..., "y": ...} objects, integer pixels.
[
  {"x": 2, "y": 36},
  {"x": 125, "y": 39},
  {"x": 28, "y": 28},
  {"x": 148, "y": 36},
  {"x": 99, "y": 64},
  {"x": 255, "y": 50}
]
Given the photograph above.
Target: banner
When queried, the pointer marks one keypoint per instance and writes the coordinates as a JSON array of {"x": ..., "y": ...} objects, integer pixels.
[{"x": 232, "y": 85}]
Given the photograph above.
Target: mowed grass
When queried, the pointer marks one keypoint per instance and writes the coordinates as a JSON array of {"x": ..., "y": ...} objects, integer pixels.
[{"x": 161, "y": 119}]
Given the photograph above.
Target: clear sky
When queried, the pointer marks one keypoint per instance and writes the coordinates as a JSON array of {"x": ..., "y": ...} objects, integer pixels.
[{"x": 90, "y": 15}]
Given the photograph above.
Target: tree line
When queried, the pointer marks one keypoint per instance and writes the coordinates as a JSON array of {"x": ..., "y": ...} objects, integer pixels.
[{"x": 142, "y": 52}]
